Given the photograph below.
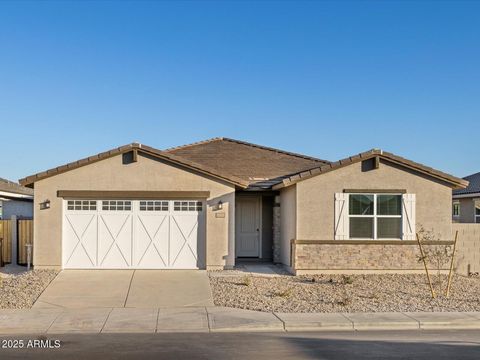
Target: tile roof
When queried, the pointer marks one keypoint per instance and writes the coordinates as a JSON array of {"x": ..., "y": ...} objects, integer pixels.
[
  {"x": 246, "y": 165},
  {"x": 14, "y": 188},
  {"x": 472, "y": 188},
  {"x": 260, "y": 166},
  {"x": 454, "y": 181}
]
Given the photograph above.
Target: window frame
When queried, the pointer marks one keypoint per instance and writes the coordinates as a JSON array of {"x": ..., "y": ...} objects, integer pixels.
[
  {"x": 156, "y": 206},
  {"x": 375, "y": 216},
  {"x": 191, "y": 206},
  {"x": 456, "y": 205},
  {"x": 81, "y": 205},
  {"x": 476, "y": 217},
  {"x": 113, "y": 204}
]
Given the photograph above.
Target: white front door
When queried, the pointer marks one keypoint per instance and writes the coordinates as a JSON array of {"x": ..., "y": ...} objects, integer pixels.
[
  {"x": 247, "y": 226},
  {"x": 133, "y": 234}
]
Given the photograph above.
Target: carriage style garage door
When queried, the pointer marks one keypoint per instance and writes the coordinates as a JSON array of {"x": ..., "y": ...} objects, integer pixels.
[{"x": 132, "y": 234}]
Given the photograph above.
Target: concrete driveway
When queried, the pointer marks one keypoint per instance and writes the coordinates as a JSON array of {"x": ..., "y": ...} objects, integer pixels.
[{"x": 127, "y": 288}]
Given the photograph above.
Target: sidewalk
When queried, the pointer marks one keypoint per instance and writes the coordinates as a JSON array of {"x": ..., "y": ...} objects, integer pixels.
[{"x": 218, "y": 319}]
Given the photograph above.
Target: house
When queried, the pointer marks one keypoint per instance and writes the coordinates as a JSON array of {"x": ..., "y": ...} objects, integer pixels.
[
  {"x": 466, "y": 202},
  {"x": 209, "y": 204},
  {"x": 15, "y": 200}
]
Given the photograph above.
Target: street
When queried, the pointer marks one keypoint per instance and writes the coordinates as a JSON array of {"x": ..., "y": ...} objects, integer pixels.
[{"x": 451, "y": 344}]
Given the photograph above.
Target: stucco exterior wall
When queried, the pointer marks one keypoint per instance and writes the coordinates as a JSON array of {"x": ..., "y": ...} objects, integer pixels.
[
  {"x": 147, "y": 174},
  {"x": 315, "y": 198},
  {"x": 288, "y": 218},
  {"x": 316, "y": 251},
  {"x": 22, "y": 209},
  {"x": 467, "y": 210}
]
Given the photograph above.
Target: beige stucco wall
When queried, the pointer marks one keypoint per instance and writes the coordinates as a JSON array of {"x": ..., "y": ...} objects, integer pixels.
[
  {"x": 288, "y": 227},
  {"x": 146, "y": 174},
  {"x": 310, "y": 204},
  {"x": 315, "y": 198}
]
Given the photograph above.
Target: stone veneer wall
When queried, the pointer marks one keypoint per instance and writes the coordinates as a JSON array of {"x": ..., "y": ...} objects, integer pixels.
[{"x": 317, "y": 256}]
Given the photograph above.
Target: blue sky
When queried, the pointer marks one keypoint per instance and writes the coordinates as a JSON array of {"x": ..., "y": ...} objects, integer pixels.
[{"x": 328, "y": 79}]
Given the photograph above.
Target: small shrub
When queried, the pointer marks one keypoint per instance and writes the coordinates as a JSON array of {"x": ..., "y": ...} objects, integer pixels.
[
  {"x": 347, "y": 280},
  {"x": 246, "y": 281},
  {"x": 345, "y": 301},
  {"x": 284, "y": 293}
]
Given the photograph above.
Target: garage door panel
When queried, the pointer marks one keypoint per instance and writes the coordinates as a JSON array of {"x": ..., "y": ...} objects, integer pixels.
[
  {"x": 114, "y": 259},
  {"x": 80, "y": 259},
  {"x": 82, "y": 247},
  {"x": 133, "y": 234},
  {"x": 151, "y": 249},
  {"x": 115, "y": 240},
  {"x": 183, "y": 244}
]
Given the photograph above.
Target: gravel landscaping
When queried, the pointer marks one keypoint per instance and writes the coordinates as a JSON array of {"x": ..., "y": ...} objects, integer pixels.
[
  {"x": 337, "y": 293},
  {"x": 19, "y": 291}
]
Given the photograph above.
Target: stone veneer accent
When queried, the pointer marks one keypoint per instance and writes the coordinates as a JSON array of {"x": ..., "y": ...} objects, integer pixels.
[
  {"x": 276, "y": 230},
  {"x": 348, "y": 256}
]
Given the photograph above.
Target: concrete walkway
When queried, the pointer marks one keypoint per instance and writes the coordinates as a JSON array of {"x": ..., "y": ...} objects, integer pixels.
[
  {"x": 126, "y": 288},
  {"x": 217, "y": 319}
]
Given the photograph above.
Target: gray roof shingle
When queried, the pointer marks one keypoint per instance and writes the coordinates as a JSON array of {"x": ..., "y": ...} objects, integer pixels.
[{"x": 472, "y": 188}]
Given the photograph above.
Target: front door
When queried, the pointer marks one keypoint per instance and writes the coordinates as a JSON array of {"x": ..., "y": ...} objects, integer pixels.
[{"x": 247, "y": 226}]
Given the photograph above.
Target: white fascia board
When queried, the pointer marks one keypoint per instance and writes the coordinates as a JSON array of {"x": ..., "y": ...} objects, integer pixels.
[
  {"x": 462, "y": 196},
  {"x": 13, "y": 195}
]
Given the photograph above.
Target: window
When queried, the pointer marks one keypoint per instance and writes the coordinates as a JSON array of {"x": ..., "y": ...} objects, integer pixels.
[
  {"x": 116, "y": 205},
  {"x": 187, "y": 206},
  {"x": 154, "y": 205},
  {"x": 82, "y": 205},
  {"x": 375, "y": 216},
  {"x": 456, "y": 209},
  {"x": 477, "y": 211}
]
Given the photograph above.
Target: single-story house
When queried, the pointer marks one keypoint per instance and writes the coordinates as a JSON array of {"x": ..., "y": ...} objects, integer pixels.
[
  {"x": 466, "y": 202},
  {"x": 208, "y": 204},
  {"x": 15, "y": 200}
]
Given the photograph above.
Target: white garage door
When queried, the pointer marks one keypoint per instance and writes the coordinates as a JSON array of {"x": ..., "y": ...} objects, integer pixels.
[{"x": 133, "y": 234}]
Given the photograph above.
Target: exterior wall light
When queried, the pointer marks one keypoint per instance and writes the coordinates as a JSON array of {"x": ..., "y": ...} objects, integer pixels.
[
  {"x": 45, "y": 205},
  {"x": 220, "y": 205}
]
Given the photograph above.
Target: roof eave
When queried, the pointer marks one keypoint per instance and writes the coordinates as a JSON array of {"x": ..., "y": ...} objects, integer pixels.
[
  {"x": 29, "y": 181},
  {"x": 456, "y": 183},
  {"x": 468, "y": 195}
]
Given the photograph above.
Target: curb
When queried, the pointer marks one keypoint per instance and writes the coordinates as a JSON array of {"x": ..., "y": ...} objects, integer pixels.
[{"x": 220, "y": 319}]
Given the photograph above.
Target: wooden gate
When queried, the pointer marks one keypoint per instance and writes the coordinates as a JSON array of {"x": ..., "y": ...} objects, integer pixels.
[
  {"x": 6, "y": 236},
  {"x": 25, "y": 236}
]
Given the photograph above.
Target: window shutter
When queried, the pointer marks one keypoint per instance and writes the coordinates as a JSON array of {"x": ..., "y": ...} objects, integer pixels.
[
  {"x": 341, "y": 217},
  {"x": 408, "y": 222}
]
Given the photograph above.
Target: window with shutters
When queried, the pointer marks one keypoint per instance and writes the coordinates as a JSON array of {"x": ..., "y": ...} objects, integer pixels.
[{"x": 375, "y": 216}]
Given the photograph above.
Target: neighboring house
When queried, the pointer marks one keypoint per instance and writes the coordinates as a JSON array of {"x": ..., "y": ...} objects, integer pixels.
[
  {"x": 211, "y": 203},
  {"x": 466, "y": 202},
  {"x": 15, "y": 200}
]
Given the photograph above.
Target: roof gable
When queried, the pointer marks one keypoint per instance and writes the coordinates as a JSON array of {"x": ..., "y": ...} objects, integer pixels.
[
  {"x": 30, "y": 180},
  {"x": 450, "y": 179}
]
